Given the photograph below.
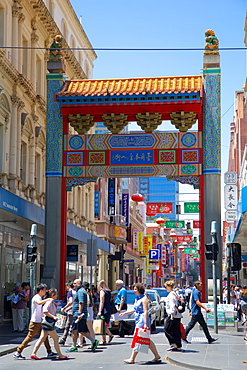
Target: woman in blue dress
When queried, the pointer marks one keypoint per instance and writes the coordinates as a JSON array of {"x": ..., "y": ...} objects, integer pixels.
[{"x": 142, "y": 320}]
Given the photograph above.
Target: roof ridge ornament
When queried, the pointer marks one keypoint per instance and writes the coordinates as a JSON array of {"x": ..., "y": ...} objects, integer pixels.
[{"x": 55, "y": 62}]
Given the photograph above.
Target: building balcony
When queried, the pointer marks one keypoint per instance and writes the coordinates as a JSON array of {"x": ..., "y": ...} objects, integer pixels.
[{"x": 112, "y": 229}]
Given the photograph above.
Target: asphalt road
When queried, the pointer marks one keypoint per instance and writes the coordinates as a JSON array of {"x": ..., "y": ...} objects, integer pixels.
[{"x": 108, "y": 357}]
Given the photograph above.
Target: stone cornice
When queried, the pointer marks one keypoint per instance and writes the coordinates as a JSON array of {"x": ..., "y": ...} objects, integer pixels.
[
  {"x": 8, "y": 68},
  {"x": 51, "y": 27}
]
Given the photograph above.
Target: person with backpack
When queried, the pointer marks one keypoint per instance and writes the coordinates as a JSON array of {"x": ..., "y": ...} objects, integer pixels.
[{"x": 172, "y": 324}]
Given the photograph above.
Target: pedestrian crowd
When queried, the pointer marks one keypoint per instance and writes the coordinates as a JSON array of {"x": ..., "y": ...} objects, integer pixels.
[{"x": 85, "y": 307}]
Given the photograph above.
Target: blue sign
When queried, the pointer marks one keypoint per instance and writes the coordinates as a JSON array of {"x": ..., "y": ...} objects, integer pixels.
[
  {"x": 96, "y": 203},
  {"x": 111, "y": 196},
  {"x": 154, "y": 254},
  {"x": 125, "y": 207},
  {"x": 244, "y": 258},
  {"x": 72, "y": 253},
  {"x": 132, "y": 141},
  {"x": 132, "y": 157},
  {"x": 128, "y": 260}
]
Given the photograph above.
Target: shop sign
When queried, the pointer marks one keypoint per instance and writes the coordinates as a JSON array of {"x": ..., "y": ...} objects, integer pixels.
[
  {"x": 183, "y": 238},
  {"x": 125, "y": 207},
  {"x": 230, "y": 178},
  {"x": 72, "y": 253},
  {"x": 191, "y": 207},
  {"x": 135, "y": 239},
  {"x": 96, "y": 203},
  {"x": 174, "y": 224},
  {"x": 190, "y": 250},
  {"x": 120, "y": 232},
  {"x": 230, "y": 192},
  {"x": 153, "y": 208},
  {"x": 111, "y": 196},
  {"x": 145, "y": 245},
  {"x": 140, "y": 242},
  {"x": 231, "y": 216},
  {"x": 196, "y": 224}
]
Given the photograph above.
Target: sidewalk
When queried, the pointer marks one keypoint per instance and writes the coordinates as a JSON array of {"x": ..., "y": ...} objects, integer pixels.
[{"x": 228, "y": 353}]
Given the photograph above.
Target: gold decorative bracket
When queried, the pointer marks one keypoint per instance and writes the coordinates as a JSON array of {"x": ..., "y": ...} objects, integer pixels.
[
  {"x": 183, "y": 121},
  {"x": 81, "y": 123},
  {"x": 115, "y": 122},
  {"x": 148, "y": 121}
]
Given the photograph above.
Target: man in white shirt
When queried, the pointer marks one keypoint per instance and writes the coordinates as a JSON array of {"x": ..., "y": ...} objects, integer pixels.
[{"x": 35, "y": 323}]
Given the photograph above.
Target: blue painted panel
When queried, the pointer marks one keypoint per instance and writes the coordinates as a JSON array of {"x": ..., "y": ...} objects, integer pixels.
[
  {"x": 244, "y": 199},
  {"x": 132, "y": 141}
]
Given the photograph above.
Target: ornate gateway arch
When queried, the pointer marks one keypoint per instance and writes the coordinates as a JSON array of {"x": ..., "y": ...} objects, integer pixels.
[{"x": 187, "y": 156}]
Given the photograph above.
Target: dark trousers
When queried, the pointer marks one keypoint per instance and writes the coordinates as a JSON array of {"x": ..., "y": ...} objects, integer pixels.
[
  {"x": 172, "y": 331},
  {"x": 201, "y": 321},
  {"x": 122, "y": 324}
]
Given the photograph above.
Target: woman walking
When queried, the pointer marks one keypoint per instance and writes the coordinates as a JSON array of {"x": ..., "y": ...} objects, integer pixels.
[
  {"x": 142, "y": 320},
  {"x": 105, "y": 309},
  {"x": 49, "y": 310},
  {"x": 172, "y": 324}
]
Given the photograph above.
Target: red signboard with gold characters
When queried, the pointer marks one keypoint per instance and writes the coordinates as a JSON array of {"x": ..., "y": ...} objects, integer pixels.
[{"x": 154, "y": 208}]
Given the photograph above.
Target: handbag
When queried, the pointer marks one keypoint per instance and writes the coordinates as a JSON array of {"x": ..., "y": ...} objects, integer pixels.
[
  {"x": 60, "y": 323},
  {"x": 141, "y": 340},
  {"x": 99, "y": 326},
  {"x": 182, "y": 330},
  {"x": 181, "y": 307},
  {"x": 48, "y": 322}
]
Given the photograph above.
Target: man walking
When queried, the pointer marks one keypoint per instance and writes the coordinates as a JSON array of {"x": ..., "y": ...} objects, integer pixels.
[
  {"x": 35, "y": 323},
  {"x": 120, "y": 300},
  {"x": 196, "y": 313},
  {"x": 80, "y": 313}
]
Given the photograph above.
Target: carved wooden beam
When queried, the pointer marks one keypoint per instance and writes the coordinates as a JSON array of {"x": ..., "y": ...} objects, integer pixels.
[
  {"x": 149, "y": 121},
  {"x": 115, "y": 122},
  {"x": 81, "y": 123},
  {"x": 183, "y": 121}
]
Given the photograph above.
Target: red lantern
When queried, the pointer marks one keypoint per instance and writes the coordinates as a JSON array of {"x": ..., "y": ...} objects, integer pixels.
[
  {"x": 160, "y": 221},
  {"x": 137, "y": 198}
]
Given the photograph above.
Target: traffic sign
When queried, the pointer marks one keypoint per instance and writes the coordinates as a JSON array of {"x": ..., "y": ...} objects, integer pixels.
[
  {"x": 231, "y": 216},
  {"x": 154, "y": 254},
  {"x": 230, "y": 178},
  {"x": 190, "y": 250}
]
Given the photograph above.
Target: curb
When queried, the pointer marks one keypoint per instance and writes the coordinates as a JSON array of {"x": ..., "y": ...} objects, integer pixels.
[
  {"x": 8, "y": 350},
  {"x": 189, "y": 365}
]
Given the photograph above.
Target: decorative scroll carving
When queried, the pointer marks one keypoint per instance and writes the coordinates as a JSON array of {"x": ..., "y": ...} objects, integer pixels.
[
  {"x": 81, "y": 123},
  {"x": 115, "y": 122},
  {"x": 183, "y": 121},
  {"x": 149, "y": 121},
  {"x": 212, "y": 43}
]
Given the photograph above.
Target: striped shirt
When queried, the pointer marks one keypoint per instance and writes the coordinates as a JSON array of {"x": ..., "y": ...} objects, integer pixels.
[{"x": 80, "y": 297}]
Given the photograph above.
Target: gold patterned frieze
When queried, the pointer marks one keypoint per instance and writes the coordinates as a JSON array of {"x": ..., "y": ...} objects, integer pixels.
[
  {"x": 115, "y": 122},
  {"x": 149, "y": 121},
  {"x": 81, "y": 123},
  {"x": 183, "y": 121}
]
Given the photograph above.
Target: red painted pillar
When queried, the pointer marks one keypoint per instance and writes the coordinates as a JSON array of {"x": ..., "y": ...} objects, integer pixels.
[{"x": 63, "y": 240}]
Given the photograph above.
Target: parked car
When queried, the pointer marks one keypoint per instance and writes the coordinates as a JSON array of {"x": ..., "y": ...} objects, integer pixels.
[
  {"x": 163, "y": 293},
  {"x": 130, "y": 319},
  {"x": 158, "y": 307}
]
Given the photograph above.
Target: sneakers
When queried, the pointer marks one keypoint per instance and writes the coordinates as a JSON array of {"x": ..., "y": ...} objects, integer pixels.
[
  {"x": 51, "y": 355},
  {"x": 95, "y": 345},
  {"x": 62, "y": 342},
  {"x": 212, "y": 340},
  {"x": 72, "y": 349},
  {"x": 18, "y": 356}
]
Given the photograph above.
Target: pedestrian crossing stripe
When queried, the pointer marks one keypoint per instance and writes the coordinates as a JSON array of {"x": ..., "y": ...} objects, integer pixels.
[{"x": 198, "y": 339}]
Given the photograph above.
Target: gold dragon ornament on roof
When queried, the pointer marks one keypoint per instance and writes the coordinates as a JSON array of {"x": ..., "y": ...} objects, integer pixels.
[{"x": 212, "y": 43}]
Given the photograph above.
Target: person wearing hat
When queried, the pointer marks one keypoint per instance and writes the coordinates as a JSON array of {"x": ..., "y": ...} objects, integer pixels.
[
  {"x": 80, "y": 313},
  {"x": 18, "y": 306}
]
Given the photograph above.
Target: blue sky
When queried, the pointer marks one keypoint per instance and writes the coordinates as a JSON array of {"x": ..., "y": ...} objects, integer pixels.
[{"x": 167, "y": 24}]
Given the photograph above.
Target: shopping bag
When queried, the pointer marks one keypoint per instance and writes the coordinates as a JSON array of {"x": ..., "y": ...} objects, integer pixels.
[
  {"x": 141, "y": 340},
  {"x": 99, "y": 326},
  {"x": 182, "y": 330},
  {"x": 60, "y": 323}
]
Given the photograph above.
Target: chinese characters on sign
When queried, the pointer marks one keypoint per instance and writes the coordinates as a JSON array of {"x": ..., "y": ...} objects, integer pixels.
[
  {"x": 230, "y": 197},
  {"x": 174, "y": 224},
  {"x": 125, "y": 207},
  {"x": 131, "y": 157},
  {"x": 96, "y": 203},
  {"x": 111, "y": 196},
  {"x": 230, "y": 178},
  {"x": 154, "y": 208},
  {"x": 191, "y": 207}
]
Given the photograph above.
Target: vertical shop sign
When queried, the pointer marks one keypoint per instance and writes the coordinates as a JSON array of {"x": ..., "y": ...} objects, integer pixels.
[
  {"x": 154, "y": 241},
  {"x": 135, "y": 239},
  {"x": 125, "y": 207},
  {"x": 96, "y": 203},
  {"x": 145, "y": 245},
  {"x": 183, "y": 264},
  {"x": 140, "y": 242},
  {"x": 111, "y": 196}
]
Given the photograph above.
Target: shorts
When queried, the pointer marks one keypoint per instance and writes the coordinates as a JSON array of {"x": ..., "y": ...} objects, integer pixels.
[
  {"x": 80, "y": 326},
  {"x": 90, "y": 313}
]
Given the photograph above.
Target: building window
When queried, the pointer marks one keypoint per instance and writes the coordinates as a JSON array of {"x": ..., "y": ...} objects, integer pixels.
[
  {"x": 37, "y": 172},
  {"x": 2, "y": 23},
  {"x": 23, "y": 164},
  {"x": 38, "y": 75},
  {"x": 24, "y": 56}
]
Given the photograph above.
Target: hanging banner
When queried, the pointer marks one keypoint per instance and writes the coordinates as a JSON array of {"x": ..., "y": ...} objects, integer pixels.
[
  {"x": 111, "y": 196},
  {"x": 183, "y": 238},
  {"x": 140, "y": 242},
  {"x": 154, "y": 240},
  {"x": 183, "y": 264},
  {"x": 125, "y": 207},
  {"x": 96, "y": 203},
  {"x": 135, "y": 239},
  {"x": 163, "y": 255},
  {"x": 145, "y": 245},
  {"x": 173, "y": 224},
  {"x": 153, "y": 208}
]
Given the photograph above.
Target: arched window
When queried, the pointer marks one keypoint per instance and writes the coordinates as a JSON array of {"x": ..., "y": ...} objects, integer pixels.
[
  {"x": 27, "y": 160},
  {"x": 64, "y": 29},
  {"x": 4, "y": 121},
  {"x": 39, "y": 171}
]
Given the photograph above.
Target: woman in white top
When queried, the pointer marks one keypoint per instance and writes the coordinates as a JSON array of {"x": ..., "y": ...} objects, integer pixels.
[
  {"x": 172, "y": 324},
  {"x": 49, "y": 310}
]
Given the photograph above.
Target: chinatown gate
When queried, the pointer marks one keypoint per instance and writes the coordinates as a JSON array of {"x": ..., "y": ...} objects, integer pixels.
[{"x": 184, "y": 155}]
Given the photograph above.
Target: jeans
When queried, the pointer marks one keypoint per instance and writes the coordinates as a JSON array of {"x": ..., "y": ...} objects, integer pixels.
[{"x": 201, "y": 321}]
